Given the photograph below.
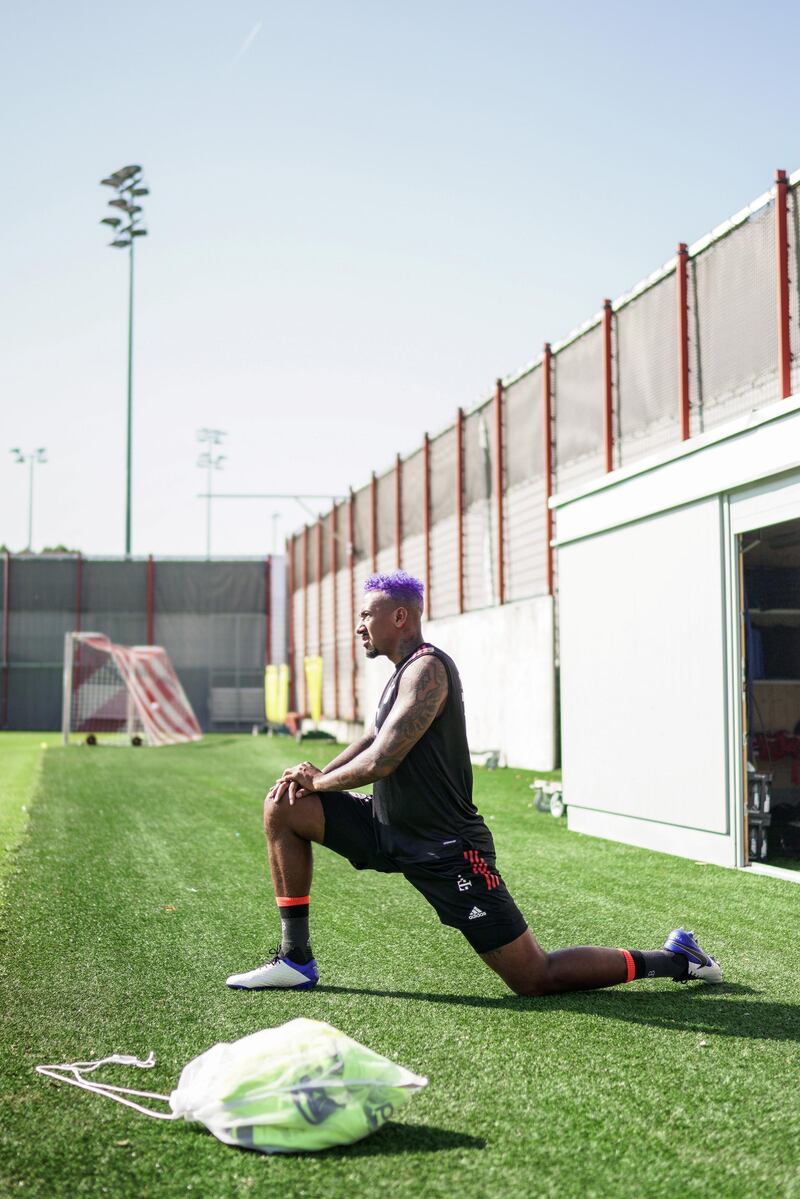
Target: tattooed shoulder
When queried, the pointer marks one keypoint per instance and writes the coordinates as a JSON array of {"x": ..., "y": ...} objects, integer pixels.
[{"x": 426, "y": 680}]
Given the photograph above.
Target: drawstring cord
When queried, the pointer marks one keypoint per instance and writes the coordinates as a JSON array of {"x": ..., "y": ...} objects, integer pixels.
[{"x": 59, "y": 1073}]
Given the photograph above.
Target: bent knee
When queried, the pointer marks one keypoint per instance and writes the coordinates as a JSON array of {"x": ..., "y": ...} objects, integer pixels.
[
  {"x": 304, "y": 818},
  {"x": 276, "y": 815},
  {"x": 532, "y": 990}
]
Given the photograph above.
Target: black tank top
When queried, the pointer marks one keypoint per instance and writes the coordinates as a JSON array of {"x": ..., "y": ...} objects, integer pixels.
[{"x": 424, "y": 809}]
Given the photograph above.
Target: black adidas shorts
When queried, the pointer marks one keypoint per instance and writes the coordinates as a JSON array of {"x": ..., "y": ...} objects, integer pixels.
[{"x": 465, "y": 891}]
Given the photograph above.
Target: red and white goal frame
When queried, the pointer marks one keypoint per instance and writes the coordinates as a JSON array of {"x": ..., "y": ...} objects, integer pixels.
[{"x": 127, "y": 693}]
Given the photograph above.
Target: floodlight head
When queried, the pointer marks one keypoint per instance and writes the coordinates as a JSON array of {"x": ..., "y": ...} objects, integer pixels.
[
  {"x": 124, "y": 206},
  {"x": 40, "y": 454},
  {"x": 120, "y": 243},
  {"x": 18, "y": 454},
  {"x": 111, "y": 181},
  {"x": 113, "y": 221},
  {"x": 211, "y": 436},
  {"x": 140, "y": 191},
  {"x": 139, "y": 233},
  {"x": 125, "y": 173}
]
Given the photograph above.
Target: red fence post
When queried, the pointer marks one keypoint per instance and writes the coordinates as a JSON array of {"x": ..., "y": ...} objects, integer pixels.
[
  {"x": 150, "y": 617},
  {"x": 268, "y": 610},
  {"x": 459, "y": 481},
  {"x": 547, "y": 429},
  {"x": 373, "y": 522},
  {"x": 351, "y": 567},
  {"x": 6, "y": 628},
  {"x": 498, "y": 487},
  {"x": 290, "y": 585},
  {"x": 682, "y": 281},
  {"x": 426, "y": 518},
  {"x": 78, "y": 590},
  {"x": 608, "y": 384},
  {"x": 782, "y": 258},
  {"x": 304, "y": 584},
  {"x": 334, "y": 614},
  {"x": 398, "y": 511}
]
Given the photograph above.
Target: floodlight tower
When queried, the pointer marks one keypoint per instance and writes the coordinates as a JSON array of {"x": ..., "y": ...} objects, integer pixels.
[
  {"x": 33, "y": 458},
  {"x": 210, "y": 461},
  {"x": 127, "y": 183}
]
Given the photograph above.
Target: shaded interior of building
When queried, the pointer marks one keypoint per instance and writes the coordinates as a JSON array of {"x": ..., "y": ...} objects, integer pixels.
[{"x": 770, "y": 576}]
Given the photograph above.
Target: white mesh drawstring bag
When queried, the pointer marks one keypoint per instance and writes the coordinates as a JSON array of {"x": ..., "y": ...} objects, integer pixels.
[{"x": 301, "y": 1087}]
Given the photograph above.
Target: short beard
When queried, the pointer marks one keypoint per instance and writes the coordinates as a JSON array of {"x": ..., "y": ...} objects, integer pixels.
[{"x": 371, "y": 652}]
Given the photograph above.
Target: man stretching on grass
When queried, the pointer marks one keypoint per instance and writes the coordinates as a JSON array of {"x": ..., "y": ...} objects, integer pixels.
[{"x": 421, "y": 822}]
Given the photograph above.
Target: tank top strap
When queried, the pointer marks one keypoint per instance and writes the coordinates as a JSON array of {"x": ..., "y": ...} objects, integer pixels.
[{"x": 389, "y": 694}]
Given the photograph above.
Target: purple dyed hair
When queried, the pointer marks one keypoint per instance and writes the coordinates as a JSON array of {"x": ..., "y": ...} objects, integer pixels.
[{"x": 399, "y": 586}]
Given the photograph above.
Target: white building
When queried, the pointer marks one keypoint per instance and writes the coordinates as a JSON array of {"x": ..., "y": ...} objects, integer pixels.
[{"x": 665, "y": 571}]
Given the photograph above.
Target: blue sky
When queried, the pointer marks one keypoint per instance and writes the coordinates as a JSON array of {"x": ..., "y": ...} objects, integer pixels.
[{"x": 361, "y": 215}]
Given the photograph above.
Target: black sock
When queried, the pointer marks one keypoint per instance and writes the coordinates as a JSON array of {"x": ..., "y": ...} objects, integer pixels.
[
  {"x": 295, "y": 938},
  {"x": 659, "y": 963}
]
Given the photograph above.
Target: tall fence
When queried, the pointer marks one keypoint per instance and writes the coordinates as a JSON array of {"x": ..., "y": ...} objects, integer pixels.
[
  {"x": 220, "y": 622},
  {"x": 713, "y": 334}
]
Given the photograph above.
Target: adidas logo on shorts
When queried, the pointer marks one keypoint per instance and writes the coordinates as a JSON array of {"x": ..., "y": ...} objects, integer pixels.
[{"x": 476, "y": 913}]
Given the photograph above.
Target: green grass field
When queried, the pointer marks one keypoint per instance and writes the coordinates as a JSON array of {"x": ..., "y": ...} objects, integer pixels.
[
  {"x": 20, "y": 763},
  {"x": 140, "y": 882}
]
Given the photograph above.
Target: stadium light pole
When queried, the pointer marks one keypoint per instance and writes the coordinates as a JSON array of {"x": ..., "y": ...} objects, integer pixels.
[
  {"x": 127, "y": 183},
  {"x": 33, "y": 458},
  {"x": 210, "y": 461}
]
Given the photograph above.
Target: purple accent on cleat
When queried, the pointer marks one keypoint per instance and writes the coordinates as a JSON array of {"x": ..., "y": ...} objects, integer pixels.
[
  {"x": 273, "y": 975},
  {"x": 700, "y": 966},
  {"x": 311, "y": 972},
  {"x": 683, "y": 942}
]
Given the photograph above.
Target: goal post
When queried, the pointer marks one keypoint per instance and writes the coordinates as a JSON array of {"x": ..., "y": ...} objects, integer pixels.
[{"x": 125, "y": 692}]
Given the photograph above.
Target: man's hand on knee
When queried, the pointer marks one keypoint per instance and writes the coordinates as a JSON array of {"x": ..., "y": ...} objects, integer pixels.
[
  {"x": 295, "y": 783},
  {"x": 277, "y": 791}
]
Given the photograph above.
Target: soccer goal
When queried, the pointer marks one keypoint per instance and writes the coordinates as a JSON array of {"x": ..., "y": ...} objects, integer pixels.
[{"x": 129, "y": 693}]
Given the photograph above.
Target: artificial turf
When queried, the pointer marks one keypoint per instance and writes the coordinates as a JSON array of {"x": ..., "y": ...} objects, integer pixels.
[
  {"x": 141, "y": 883},
  {"x": 19, "y": 767}
]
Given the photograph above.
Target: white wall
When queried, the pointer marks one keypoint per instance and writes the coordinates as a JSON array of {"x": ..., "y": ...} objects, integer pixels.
[
  {"x": 505, "y": 658},
  {"x": 649, "y": 638},
  {"x": 643, "y": 673}
]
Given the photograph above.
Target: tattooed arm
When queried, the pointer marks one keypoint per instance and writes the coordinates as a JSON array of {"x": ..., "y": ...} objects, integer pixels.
[
  {"x": 352, "y": 751},
  {"x": 421, "y": 697}
]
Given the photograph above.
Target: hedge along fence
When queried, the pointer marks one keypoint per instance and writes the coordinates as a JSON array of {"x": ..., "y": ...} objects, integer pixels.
[{"x": 711, "y": 335}]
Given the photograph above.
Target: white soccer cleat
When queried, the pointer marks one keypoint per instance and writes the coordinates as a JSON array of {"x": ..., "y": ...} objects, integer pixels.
[{"x": 279, "y": 973}]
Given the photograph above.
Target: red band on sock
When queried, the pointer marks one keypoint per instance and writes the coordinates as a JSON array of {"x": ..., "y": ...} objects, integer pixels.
[
  {"x": 630, "y": 965},
  {"x": 291, "y": 901}
]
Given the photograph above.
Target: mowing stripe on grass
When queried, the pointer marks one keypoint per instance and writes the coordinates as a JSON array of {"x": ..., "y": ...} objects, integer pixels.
[
  {"x": 142, "y": 884},
  {"x": 20, "y": 760}
]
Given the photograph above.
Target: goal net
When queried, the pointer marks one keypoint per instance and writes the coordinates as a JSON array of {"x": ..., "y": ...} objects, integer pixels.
[{"x": 129, "y": 691}]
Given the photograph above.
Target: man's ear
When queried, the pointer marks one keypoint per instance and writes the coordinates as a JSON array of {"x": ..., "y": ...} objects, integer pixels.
[{"x": 400, "y": 617}]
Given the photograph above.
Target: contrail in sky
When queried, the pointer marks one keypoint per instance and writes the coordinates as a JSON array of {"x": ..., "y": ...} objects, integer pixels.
[{"x": 248, "y": 41}]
